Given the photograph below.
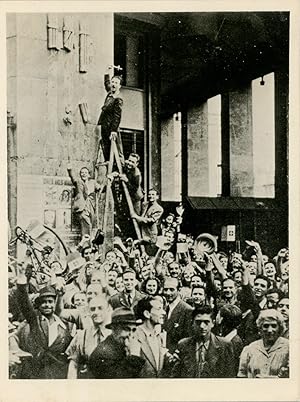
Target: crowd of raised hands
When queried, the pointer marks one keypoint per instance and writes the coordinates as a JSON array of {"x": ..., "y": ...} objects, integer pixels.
[{"x": 246, "y": 297}]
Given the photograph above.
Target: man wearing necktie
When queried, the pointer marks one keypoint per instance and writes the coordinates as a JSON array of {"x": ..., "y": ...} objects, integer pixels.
[
  {"x": 86, "y": 340},
  {"x": 130, "y": 296},
  {"x": 204, "y": 355},
  {"x": 179, "y": 314}
]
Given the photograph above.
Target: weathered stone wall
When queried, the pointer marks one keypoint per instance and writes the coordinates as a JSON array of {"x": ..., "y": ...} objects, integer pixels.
[
  {"x": 48, "y": 83},
  {"x": 45, "y": 88}
]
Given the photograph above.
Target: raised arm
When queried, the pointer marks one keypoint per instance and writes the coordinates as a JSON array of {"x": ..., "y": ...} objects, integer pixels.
[
  {"x": 22, "y": 296},
  {"x": 158, "y": 264},
  {"x": 281, "y": 257},
  {"x": 218, "y": 266},
  {"x": 70, "y": 173},
  {"x": 107, "y": 82},
  {"x": 211, "y": 290},
  {"x": 260, "y": 263}
]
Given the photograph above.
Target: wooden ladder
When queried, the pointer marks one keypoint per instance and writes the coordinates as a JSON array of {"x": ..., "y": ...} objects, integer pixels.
[{"x": 109, "y": 202}]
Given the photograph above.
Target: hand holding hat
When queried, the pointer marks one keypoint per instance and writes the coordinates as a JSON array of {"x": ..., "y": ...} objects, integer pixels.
[{"x": 206, "y": 242}]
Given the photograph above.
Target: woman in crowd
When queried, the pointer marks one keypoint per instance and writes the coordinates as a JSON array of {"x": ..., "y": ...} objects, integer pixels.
[
  {"x": 151, "y": 286},
  {"x": 268, "y": 356}
]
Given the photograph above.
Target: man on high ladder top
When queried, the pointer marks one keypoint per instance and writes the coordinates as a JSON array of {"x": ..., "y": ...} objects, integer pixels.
[{"x": 110, "y": 116}]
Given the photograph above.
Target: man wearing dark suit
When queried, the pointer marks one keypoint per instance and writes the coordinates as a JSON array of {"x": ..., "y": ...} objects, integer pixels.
[
  {"x": 228, "y": 320},
  {"x": 130, "y": 296},
  {"x": 111, "y": 114},
  {"x": 151, "y": 311},
  {"x": 148, "y": 221},
  {"x": 204, "y": 355},
  {"x": 178, "y": 324},
  {"x": 44, "y": 335},
  {"x": 118, "y": 356}
]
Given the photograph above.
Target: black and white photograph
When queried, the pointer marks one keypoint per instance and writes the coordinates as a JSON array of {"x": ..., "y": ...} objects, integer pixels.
[{"x": 151, "y": 148}]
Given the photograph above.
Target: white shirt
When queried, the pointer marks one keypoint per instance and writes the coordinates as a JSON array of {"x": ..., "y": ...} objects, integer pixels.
[{"x": 53, "y": 328}]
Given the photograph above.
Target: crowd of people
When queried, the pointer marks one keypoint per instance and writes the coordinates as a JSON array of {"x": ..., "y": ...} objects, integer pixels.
[
  {"x": 171, "y": 314},
  {"x": 160, "y": 305}
]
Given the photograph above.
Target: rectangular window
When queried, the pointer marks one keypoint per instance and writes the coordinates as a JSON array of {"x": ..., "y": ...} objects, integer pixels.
[
  {"x": 129, "y": 53},
  {"x": 263, "y": 123}
]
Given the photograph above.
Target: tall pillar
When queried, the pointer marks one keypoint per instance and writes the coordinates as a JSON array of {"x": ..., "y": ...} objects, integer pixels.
[
  {"x": 171, "y": 169},
  {"x": 167, "y": 161},
  {"x": 197, "y": 151},
  {"x": 241, "y": 143}
]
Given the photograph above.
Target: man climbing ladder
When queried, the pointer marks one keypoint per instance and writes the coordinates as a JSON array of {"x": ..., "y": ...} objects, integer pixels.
[{"x": 114, "y": 156}]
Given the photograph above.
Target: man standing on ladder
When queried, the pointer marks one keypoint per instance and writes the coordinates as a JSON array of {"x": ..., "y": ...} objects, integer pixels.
[
  {"x": 110, "y": 117},
  {"x": 148, "y": 221}
]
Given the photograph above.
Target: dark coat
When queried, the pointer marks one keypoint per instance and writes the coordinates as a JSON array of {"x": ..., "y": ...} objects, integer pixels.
[
  {"x": 247, "y": 330},
  {"x": 237, "y": 347},
  {"x": 109, "y": 360},
  {"x": 110, "y": 119},
  {"x": 120, "y": 300},
  {"x": 219, "y": 360},
  {"x": 179, "y": 325},
  {"x": 111, "y": 111},
  {"x": 47, "y": 362}
]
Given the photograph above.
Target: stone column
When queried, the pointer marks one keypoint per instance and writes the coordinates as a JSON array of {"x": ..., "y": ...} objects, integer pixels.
[
  {"x": 241, "y": 143},
  {"x": 197, "y": 151}
]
